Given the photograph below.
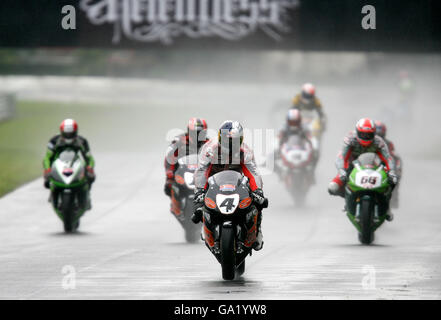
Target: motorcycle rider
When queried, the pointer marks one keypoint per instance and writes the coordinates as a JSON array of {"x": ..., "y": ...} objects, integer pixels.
[
  {"x": 183, "y": 145},
  {"x": 381, "y": 130},
  {"x": 307, "y": 100},
  {"x": 292, "y": 127},
  {"x": 69, "y": 138},
  {"x": 362, "y": 140},
  {"x": 229, "y": 152}
]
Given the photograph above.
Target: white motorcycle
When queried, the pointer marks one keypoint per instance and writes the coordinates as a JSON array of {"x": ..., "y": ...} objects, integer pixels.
[{"x": 296, "y": 167}]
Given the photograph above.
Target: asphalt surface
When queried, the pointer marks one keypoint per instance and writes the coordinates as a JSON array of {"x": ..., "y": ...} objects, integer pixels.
[{"x": 130, "y": 247}]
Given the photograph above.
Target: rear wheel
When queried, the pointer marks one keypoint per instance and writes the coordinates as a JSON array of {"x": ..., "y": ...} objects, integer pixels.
[
  {"x": 228, "y": 253},
  {"x": 366, "y": 235}
]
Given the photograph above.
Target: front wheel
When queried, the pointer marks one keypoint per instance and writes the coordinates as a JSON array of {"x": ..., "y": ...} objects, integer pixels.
[
  {"x": 228, "y": 253},
  {"x": 67, "y": 211},
  {"x": 366, "y": 235}
]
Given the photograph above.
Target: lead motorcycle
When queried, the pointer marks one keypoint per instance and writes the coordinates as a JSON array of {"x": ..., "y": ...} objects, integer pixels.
[
  {"x": 69, "y": 188},
  {"x": 183, "y": 195},
  {"x": 367, "y": 196},
  {"x": 296, "y": 167},
  {"x": 230, "y": 221}
]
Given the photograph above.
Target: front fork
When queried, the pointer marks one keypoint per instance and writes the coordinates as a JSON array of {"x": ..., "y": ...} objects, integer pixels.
[
  {"x": 381, "y": 207},
  {"x": 83, "y": 198},
  {"x": 246, "y": 232}
]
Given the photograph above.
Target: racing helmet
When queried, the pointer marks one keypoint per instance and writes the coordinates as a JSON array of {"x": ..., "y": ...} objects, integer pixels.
[
  {"x": 308, "y": 92},
  {"x": 365, "y": 131},
  {"x": 230, "y": 137},
  {"x": 294, "y": 120},
  {"x": 380, "y": 128},
  {"x": 69, "y": 130},
  {"x": 197, "y": 130}
]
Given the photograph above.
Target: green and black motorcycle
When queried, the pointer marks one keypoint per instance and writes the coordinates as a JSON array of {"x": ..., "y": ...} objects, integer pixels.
[
  {"x": 69, "y": 188},
  {"x": 367, "y": 196}
]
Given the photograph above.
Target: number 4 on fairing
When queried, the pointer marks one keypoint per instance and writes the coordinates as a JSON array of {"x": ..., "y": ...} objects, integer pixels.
[{"x": 227, "y": 203}]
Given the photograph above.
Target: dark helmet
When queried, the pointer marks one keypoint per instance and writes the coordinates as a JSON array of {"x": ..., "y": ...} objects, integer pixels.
[
  {"x": 230, "y": 137},
  {"x": 380, "y": 129},
  {"x": 69, "y": 129},
  {"x": 197, "y": 130}
]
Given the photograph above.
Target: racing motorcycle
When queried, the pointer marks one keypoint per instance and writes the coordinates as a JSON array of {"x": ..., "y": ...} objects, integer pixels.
[
  {"x": 230, "y": 221},
  {"x": 367, "y": 196},
  {"x": 183, "y": 195},
  {"x": 296, "y": 167},
  {"x": 69, "y": 188},
  {"x": 312, "y": 125}
]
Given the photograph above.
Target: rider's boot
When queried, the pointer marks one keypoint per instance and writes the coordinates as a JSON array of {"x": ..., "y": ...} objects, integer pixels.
[
  {"x": 335, "y": 189},
  {"x": 389, "y": 216}
]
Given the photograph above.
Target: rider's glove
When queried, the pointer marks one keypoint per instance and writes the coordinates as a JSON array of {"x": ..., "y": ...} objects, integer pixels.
[
  {"x": 198, "y": 201},
  {"x": 46, "y": 175},
  {"x": 199, "y": 196},
  {"x": 343, "y": 175},
  {"x": 392, "y": 178},
  {"x": 259, "y": 198}
]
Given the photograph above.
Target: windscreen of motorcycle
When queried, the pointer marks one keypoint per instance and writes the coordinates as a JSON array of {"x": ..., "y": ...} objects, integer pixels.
[
  {"x": 68, "y": 167},
  {"x": 369, "y": 160}
]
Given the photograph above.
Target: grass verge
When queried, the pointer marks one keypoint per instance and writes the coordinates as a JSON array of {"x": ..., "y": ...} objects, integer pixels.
[{"x": 23, "y": 139}]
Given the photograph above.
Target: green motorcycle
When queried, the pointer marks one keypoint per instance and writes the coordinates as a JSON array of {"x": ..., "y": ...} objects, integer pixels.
[
  {"x": 367, "y": 196},
  {"x": 69, "y": 188}
]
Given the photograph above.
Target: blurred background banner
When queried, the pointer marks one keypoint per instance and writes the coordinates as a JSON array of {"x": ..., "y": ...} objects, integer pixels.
[{"x": 413, "y": 26}]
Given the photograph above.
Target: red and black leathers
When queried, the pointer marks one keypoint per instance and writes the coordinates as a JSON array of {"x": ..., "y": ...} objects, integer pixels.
[{"x": 179, "y": 147}]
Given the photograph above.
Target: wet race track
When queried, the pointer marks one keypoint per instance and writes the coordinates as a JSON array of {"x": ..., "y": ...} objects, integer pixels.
[{"x": 131, "y": 247}]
